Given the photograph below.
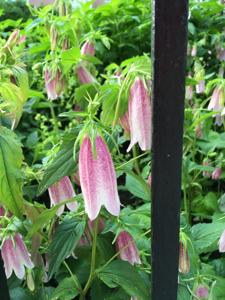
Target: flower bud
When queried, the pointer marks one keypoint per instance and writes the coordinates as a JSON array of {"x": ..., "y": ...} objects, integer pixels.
[
  {"x": 194, "y": 51},
  {"x": 216, "y": 173},
  {"x": 88, "y": 48},
  {"x": 125, "y": 244},
  {"x": 184, "y": 261},
  {"x": 53, "y": 37},
  {"x": 54, "y": 83}
]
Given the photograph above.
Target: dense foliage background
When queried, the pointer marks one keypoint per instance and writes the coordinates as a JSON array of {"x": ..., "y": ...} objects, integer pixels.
[{"x": 47, "y": 131}]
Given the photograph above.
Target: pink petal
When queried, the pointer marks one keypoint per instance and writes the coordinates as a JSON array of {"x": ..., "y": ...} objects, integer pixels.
[
  {"x": 130, "y": 253},
  {"x": 222, "y": 242},
  {"x": 88, "y": 179},
  {"x": 139, "y": 116},
  {"x": 98, "y": 179},
  {"x": 61, "y": 191},
  {"x": 11, "y": 260},
  {"x": 84, "y": 75},
  {"x": 22, "y": 252},
  {"x": 106, "y": 179},
  {"x": 88, "y": 48}
]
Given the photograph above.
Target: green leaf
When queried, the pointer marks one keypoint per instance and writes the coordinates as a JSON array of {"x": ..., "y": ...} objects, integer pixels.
[
  {"x": 183, "y": 293},
  {"x": 205, "y": 236},
  {"x": 70, "y": 57},
  {"x": 42, "y": 220},
  {"x": 121, "y": 273},
  {"x": 67, "y": 235},
  {"x": 10, "y": 172},
  {"x": 66, "y": 290},
  {"x": 20, "y": 294},
  {"x": 137, "y": 186},
  {"x": 62, "y": 165}
]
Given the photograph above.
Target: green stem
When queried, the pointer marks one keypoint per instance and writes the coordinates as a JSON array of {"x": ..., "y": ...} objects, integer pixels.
[
  {"x": 55, "y": 121},
  {"x": 93, "y": 260},
  {"x": 74, "y": 277}
]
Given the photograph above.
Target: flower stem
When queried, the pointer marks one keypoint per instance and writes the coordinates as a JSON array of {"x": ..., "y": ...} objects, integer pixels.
[
  {"x": 55, "y": 121},
  {"x": 93, "y": 260},
  {"x": 74, "y": 277}
]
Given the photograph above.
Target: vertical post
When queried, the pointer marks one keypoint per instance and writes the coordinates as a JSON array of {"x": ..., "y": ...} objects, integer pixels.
[
  {"x": 4, "y": 292},
  {"x": 169, "y": 39}
]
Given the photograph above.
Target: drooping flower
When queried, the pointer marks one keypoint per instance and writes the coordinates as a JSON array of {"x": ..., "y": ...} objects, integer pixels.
[
  {"x": 84, "y": 75},
  {"x": 200, "y": 87},
  {"x": 88, "y": 48},
  {"x": 54, "y": 83},
  {"x": 222, "y": 242},
  {"x": 202, "y": 292},
  {"x": 217, "y": 100},
  {"x": 206, "y": 173},
  {"x": 15, "y": 256},
  {"x": 139, "y": 111},
  {"x": 220, "y": 54},
  {"x": 189, "y": 92},
  {"x": 61, "y": 191},
  {"x": 127, "y": 247},
  {"x": 98, "y": 178},
  {"x": 184, "y": 261},
  {"x": 216, "y": 173}
]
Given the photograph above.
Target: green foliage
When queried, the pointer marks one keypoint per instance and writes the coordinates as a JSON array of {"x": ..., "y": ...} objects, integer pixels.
[{"x": 10, "y": 172}]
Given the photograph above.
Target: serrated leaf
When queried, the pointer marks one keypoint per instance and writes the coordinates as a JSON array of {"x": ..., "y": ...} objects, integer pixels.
[
  {"x": 66, "y": 290},
  {"x": 121, "y": 273},
  {"x": 66, "y": 237},
  {"x": 206, "y": 236},
  {"x": 10, "y": 172},
  {"x": 62, "y": 165}
]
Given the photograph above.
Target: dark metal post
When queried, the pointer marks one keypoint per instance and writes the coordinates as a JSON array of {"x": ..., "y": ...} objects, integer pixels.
[
  {"x": 4, "y": 292},
  {"x": 168, "y": 56}
]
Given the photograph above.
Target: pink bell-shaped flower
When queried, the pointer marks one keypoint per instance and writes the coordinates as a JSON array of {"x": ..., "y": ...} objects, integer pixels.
[
  {"x": 139, "y": 115},
  {"x": 61, "y": 191},
  {"x": 98, "y": 178},
  {"x": 97, "y": 3},
  {"x": 222, "y": 242},
  {"x": 217, "y": 102},
  {"x": 84, "y": 75},
  {"x": 54, "y": 84},
  {"x": 200, "y": 87},
  {"x": 88, "y": 48},
  {"x": 127, "y": 247},
  {"x": 15, "y": 256}
]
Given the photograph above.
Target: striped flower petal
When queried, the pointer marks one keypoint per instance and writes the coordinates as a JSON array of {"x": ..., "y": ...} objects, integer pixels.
[
  {"x": 61, "y": 191},
  {"x": 139, "y": 111},
  {"x": 98, "y": 179},
  {"x": 127, "y": 247}
]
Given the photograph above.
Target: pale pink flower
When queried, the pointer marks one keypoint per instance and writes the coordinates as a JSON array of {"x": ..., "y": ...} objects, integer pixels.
[
  {"x": 98, "y": 178},
  {"x": 88, "y": 48},
  {"x": 200, "y": 87},
  {"x": 54, "y": 83},
  {"x": 127, "y": 247},
  {"x": 220, "y": 54},
  {"x": 139, "y": 111},
  {"x": 216, "y": 102},
  {"x": 15, "y": 256},
  {"x": 202, "y": 292},
  {"x": 216, "y": 173},
  {"x": 124, "y": 122},
  {"x": 84, "y": 75},
  {"x": 222, "y": 242},
  {"x": 61, "y": 191}
]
